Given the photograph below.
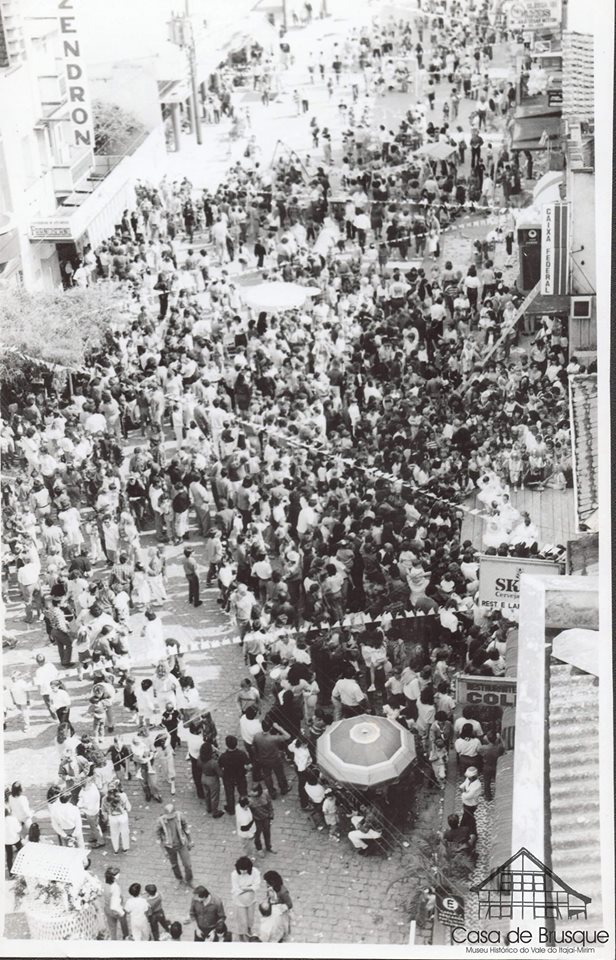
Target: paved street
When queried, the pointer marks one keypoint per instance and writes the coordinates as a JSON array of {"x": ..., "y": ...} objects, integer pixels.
[
  {"x": 339, "y": 897},
  {"x": 328, "y": 880}
]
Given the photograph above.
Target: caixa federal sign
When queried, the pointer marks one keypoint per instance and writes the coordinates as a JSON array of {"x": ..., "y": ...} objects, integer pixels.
[{"x": 486, "y": 691}]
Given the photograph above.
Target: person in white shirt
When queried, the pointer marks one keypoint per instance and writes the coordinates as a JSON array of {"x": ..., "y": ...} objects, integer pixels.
[
  {"x": 19, "y": 689},
  {"x": 308, "y": 516},
  {"x": 472, "y": 791},
  {"x": 137, "y": 908},
  {"x": 463, "y": 720},
  {"x": 348, "y": 697},
  {"x": 12, "y": 837},
  {"x": 66, "y": 821},
  {"x": 43, "y": 675},
  {"x": 89, "y": 803},
  {"x": 250, "y": 725},
  {"x": 19, "y": 805}
]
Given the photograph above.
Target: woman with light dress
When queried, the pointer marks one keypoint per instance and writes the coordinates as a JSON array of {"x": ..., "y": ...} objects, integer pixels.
[
  {"x": 141, "y": 587},
  {"x": 70, "y": 521},
  {"x": 164, "y": 763},
  {"x": 245, "y": 882},
  {"x": 155, "y": 572},
  {"x": 137, "y": 908},
  {"x": 496, "y": 531},
  {"x": 19, "y": 805},
  {"x": 277, "y": 894}
]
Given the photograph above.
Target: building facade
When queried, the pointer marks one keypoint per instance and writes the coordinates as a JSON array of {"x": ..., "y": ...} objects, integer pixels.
[{"x": 57, "y": 192}]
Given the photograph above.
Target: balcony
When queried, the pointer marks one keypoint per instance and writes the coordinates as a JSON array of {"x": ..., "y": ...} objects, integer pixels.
[
  {"x": 66, "y": 176},
  {"x": 51, "y": 88}
]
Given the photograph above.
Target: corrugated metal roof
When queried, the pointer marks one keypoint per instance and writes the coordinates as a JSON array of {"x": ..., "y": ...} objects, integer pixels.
[
  {"x": 584, "y": 424},
  {"x": 578, "y": 76},
  {"x": 574, "y": 769}
]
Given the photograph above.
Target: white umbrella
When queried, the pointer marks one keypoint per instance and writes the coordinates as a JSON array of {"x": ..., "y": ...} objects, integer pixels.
[
  {"x": 365, "y": 750},
  {"x": 277, "y": 295}
]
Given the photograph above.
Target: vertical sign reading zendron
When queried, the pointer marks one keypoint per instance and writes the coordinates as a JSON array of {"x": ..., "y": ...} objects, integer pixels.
[{"x": 79, "y": 106}]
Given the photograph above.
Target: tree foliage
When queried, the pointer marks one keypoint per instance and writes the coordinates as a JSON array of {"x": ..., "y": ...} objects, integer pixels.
[
  {"x": 115, "y": 129},
  {"x": 56, "y": 328}
]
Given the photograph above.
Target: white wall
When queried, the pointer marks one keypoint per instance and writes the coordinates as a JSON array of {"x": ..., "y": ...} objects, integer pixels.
[
  {"x": 30, "y": 184},
  {"x": 581, "y": 192}
]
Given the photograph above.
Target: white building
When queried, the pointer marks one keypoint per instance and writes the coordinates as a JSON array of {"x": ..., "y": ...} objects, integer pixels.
[{"x": 56, "y": 193}]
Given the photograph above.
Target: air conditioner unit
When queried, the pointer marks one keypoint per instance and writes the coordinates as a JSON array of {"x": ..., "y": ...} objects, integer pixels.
[{"x": 581, "y": 308}]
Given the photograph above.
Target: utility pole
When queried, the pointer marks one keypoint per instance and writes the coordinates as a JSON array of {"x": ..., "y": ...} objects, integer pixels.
[
  {"x": 284, "y": 15},
  {"x": 182, "y": 35},
  {"x": 192, "y": 65}
]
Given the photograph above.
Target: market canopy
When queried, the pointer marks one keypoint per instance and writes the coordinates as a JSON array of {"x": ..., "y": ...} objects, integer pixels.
[
  {"x": 277, "y": 295},
  {"x": 436, "y": 151},
  {"x": 45, "y": 862},
  {"x": 365, "y": 750},
  {"x": 533, "y": 133}
]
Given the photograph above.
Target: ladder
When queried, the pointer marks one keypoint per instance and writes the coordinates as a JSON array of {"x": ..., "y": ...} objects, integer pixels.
[{"x": 507, "y": 328}]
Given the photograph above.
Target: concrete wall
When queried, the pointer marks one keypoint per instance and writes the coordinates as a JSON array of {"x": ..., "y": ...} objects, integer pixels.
[
  {"x": 27, "y": 170},
  {"x": 581, "y": 192}
]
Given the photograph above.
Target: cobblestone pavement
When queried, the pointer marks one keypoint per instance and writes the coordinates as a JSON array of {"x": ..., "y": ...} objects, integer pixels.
[{"x": 339, "y": 896}]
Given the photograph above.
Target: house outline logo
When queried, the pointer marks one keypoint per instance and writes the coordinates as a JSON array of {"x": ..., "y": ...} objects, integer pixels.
[{"x": 524, "y": 888}]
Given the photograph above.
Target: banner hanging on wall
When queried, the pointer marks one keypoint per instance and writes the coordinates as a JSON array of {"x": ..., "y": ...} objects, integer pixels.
[
  {"x": 499, "y": 581},
  {"x": 555, "y": 249}
]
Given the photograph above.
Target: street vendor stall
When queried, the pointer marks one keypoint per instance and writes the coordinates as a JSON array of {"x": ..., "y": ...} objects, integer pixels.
[
  {"x": 365, "y": 751},
  {"x": 60, "y": 899},
  {"x": 277, "y": 296}
]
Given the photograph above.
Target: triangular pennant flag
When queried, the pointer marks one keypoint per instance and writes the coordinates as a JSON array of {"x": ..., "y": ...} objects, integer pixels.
[
  {"x": 236, "y": 640},
  {"x": 226, "y": 642},
  {"x": 420, "y": 613}
]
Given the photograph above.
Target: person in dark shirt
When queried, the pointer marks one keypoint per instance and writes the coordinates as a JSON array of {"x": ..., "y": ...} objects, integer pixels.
[
  {"x": 80, "y": 563},
  {"x": 171, "y": 720},
  {"x": 460, "y": 836},
  {"x": 490, "y": 752},
  {"x": 233, "y": 763}
]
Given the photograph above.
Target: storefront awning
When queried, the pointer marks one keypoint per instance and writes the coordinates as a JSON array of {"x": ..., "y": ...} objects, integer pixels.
[
  {"x": 527, "y": 132},
  {"x": 544, "y": 303}
]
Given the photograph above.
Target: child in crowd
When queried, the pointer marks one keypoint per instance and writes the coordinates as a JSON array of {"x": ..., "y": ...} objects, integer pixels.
[
  {"x": 330, "y": 814},
  {"x": 156, "y": 912}
]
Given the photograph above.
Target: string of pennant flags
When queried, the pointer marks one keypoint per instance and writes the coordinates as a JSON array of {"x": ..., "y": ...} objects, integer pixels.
[
  {"x": 353, "y": 465},
  {"x": 350, "y": 621}
]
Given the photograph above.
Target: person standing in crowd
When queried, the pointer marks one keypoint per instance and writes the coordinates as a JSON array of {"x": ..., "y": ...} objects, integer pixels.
[
  {"x": 174, "y": 836},
  {"x": 322, "y": 457},
  {"x": 113, "y": 905},
  {"x": 191, "y": 573},
  {"x": 206, "y": 911},
  {"x": 245, "y": 882}
]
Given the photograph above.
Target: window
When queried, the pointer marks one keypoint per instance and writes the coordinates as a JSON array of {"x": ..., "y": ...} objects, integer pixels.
[
  {"x": 506, "y": 884},
  {"x": 500, "y": 911}
]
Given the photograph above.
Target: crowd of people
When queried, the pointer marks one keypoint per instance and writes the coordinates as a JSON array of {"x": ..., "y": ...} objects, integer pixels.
[{"x": 312, "y": 465}]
